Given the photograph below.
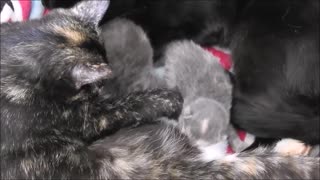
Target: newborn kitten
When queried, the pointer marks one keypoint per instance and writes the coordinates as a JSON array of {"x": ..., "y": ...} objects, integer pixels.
[
  {"x": 206, "y": 89},
  {"x": 130, "y": 56}
]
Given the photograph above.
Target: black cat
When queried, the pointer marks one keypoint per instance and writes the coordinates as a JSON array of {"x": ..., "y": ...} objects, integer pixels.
[
  {"x": 207, "y": 22},
  {"x": 277, "y": 70}
]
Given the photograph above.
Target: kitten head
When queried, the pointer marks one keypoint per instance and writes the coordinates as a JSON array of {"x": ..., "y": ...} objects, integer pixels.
[
  {"x": 205, "y": 120},
  {"x": 196, "y": 73},
  {"x": 57, "y": 56}
]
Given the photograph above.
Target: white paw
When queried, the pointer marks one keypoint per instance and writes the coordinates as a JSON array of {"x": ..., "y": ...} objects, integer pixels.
[{"x": 291, "y": 147}]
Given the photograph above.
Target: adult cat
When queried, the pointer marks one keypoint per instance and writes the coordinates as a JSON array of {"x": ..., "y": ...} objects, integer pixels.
[
  {"x": 52, "y": 106},
  {"x": 52, "y": 112}
]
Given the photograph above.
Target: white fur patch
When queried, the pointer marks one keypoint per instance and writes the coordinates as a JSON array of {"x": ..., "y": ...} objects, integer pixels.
[
  {"x": 159, "y": 72},
  {"x": 214, "y": 151},
  {"x": 292, "y": 147}
]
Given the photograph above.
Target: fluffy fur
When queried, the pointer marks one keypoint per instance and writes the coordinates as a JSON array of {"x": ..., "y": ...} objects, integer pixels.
[
  {"x": 207, "y": 93},
  {"x": 130, "y": 55},
  {"x": 52, "y": 102},
  {"x": 161, "y": 152},
  {"x": 205, "y": 22},
  {"x": 41, "y": 140},
  {"x": 276, "y": 54},
  {"x": 179, "y": 57},
  {"x": 275, "y": 48}
]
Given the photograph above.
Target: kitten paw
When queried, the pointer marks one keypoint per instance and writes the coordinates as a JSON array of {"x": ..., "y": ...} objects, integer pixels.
[
  {"x": 153, "y": 104},
  {"x": 292, "y": 147}
]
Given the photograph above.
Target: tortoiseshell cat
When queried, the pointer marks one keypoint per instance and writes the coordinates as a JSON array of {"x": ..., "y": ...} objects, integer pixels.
[
  {"x": 52, "y": 107},
  {"x": 52, "y": 112}
]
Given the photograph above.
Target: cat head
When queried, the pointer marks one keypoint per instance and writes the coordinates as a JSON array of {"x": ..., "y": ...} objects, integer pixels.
[{"x": 58, "y": 55}]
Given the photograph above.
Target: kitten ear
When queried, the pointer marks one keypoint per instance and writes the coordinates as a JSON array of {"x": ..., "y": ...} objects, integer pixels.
[
  {"x": 91, "y": 10},
  {"x": 83, "y": 74}
]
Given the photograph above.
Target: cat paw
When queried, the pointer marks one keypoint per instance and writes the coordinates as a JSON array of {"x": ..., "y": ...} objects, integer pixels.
[
  {"x": 153, "y": 104},
  {"x": 292, "y": 147},
  {"x": 167, "y": 103}
]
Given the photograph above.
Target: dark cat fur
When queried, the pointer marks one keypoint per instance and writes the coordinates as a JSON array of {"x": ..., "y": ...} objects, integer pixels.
[
  {"x": 52, "y": 106},
  {"x": 204, "y": 21},
  {"x": 45, "y": 134},
  {"x": 277, "y": 62}
]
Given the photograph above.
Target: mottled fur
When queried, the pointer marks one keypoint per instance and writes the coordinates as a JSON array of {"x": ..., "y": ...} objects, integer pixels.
[
  {"x": 52, "y": 102},
  {"x": 161, "y": 152}
]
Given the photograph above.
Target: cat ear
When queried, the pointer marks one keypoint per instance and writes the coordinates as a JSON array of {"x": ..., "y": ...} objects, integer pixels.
[
  {"x": 91, "y": 10},
  {"x": 83, "y": 74}
]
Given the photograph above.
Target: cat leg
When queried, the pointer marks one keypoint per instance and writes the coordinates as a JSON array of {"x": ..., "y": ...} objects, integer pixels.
[
  {"x": 161, "y": 152},
  {"x": 267, "y": 122},
  {"x": 292, "y": 147},
  {"x": 132, "y": 110}
]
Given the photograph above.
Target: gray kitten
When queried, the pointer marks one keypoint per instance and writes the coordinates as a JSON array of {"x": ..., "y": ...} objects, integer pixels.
[
  {"x": 207, "y": 89},
  {"x": 130, "y": 56},
  {"x": 196, "y": 73},
  {"x": 207, "y": 93}
]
